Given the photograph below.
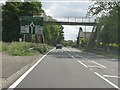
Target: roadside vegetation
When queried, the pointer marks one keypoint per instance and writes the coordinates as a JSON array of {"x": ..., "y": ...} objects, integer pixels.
[
  {"x": 4, "y": 46},
  {"x": 24, "y": 48},
  {"x": 52, "y": 34},
  {"x": 69, "y": 43},
  {"x": 105, "y": 39}
]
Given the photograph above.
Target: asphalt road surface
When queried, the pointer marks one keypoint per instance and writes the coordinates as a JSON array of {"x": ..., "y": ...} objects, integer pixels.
[{"x": 70, "y": 68}]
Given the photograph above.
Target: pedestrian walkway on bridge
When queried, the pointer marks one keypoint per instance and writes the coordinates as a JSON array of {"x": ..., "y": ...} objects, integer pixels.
[{"x": 88, "y": 21}]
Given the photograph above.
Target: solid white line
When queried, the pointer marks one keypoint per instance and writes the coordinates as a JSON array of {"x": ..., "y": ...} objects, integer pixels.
[
  {"x": 107, "y": 80},
  {"x": 111, "y": 76},
  {"x": 27, "y": 72},
  {"x": 99, "y": 64},
  {"x": 82, "y": 63}
]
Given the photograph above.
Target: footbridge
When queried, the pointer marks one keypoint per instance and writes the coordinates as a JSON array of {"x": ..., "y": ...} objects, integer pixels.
[{"x": 87, "y": 21}]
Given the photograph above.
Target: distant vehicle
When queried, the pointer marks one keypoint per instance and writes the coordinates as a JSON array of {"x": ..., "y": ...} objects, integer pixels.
[{"x": 59, "y": 46}]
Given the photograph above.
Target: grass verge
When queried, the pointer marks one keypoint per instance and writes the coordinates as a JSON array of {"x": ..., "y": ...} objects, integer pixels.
[
  {"x": 24, "y": 48},
  {"x": 104, "y": 52},
  {"x": 4, "y": 46}
]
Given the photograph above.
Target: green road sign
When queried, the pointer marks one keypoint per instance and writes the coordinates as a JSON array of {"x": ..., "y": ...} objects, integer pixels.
[{"x": 31, "y": 25}]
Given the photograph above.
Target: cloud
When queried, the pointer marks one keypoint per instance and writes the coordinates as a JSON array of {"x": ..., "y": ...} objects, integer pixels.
[
  {"x": 71, "y": 32},
  {"x": 68, "y": 9}
]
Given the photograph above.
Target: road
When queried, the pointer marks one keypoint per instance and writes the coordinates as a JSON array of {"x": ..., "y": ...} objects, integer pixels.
[{"x": 70, "y": 68}]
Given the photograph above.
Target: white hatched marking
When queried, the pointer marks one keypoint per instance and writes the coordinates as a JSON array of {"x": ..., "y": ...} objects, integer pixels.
[
  {"x": 107, "y": 80},
  {"x": 99, "y": 64},
  {"x": 111, "y": 76}
]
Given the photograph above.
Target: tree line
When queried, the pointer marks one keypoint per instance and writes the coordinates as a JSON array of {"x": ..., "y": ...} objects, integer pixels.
[
  {"x": 11, "y": 25},
  {"x": 108, "y": 28}
]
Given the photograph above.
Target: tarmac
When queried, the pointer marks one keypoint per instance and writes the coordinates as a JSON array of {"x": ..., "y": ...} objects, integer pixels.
[{"x": 14, "y": 66}]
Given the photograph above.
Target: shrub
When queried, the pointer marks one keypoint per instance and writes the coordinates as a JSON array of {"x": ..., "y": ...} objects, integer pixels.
[
  {"x": 4, "y": 46},
  {"x": 27, "y": 48},
  {"x": 20, "y": 48}
]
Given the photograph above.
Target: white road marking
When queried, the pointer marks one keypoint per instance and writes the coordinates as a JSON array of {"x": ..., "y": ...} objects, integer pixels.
[
  {"x": 82, "y": 63},
  {"x": 99, "y": 64},
  {"x": 94, "y": 66},
  {"x": 14, "y": 85},
  {"x": 76, "y": 59},
  {"x": 91, "y": 69},
  {"x": 107, "y": 80},
  {"x": 112, "y": 70},
  {"x": 111, "y": 76},
  {"x": 72, "y": 56},
  {"x": 114, "y": 59}
]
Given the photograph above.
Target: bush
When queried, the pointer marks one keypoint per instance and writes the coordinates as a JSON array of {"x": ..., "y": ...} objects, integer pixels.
[
  {"x": 26, "y": 48},
  {"x": 19, "y": 48},
  {"x": 4, "y": 46},
  {"x": 42, "y": 48}
]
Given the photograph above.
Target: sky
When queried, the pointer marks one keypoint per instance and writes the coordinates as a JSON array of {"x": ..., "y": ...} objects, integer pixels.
[{"x": 67, "y": 8}]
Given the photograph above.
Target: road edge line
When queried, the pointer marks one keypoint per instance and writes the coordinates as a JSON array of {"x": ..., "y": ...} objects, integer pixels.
[
  {"x": 107, "y": 80},
  {"x": 20, "y": 79}
]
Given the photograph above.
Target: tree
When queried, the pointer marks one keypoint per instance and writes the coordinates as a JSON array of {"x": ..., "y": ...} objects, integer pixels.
[
  {"x": 11, "y": 25},
  {"x": 108, "y": 14},
  {"x": 11, "y": 13},
  {"x": 10, "y": 22},
  {"x": 53, "y": 33}
]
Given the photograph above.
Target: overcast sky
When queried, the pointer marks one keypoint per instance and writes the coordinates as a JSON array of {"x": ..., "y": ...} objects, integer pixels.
[{"x": 68, "y": 8}]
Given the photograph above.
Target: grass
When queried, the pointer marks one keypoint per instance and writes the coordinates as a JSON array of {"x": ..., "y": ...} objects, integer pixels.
[
  {"x": 24, "y": 48},
  {"x": 4, "y": 46},
  {"x": 104, "y": 52}
]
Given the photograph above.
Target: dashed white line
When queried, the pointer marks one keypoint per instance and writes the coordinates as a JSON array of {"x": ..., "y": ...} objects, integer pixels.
[
  {"x": 14, "y": 85},
  {"x": 99, "y": 64},
  {"x": 76, "y": 59},
  {"x": 82, "y": 63},
  {"x": 107, "y": 80}
]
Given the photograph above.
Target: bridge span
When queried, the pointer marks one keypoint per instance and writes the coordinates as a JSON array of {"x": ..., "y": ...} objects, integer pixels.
[{"x": 87, "y": 21}]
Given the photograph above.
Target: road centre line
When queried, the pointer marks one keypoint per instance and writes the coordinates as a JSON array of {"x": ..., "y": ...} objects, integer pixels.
[
  {"x": 76, "y": 59},
  {"x": 90, "y": 61},
  {"x": 99, "y": 64},
  {"x": 111, "y": 76},
  {"x": 96, "y": 72},
  {"x": 77, "y": 54},
  {"x": 15, "y": 84},
  {"x": 82, "y": 63},
  {"x": 107, "y": 80}
]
